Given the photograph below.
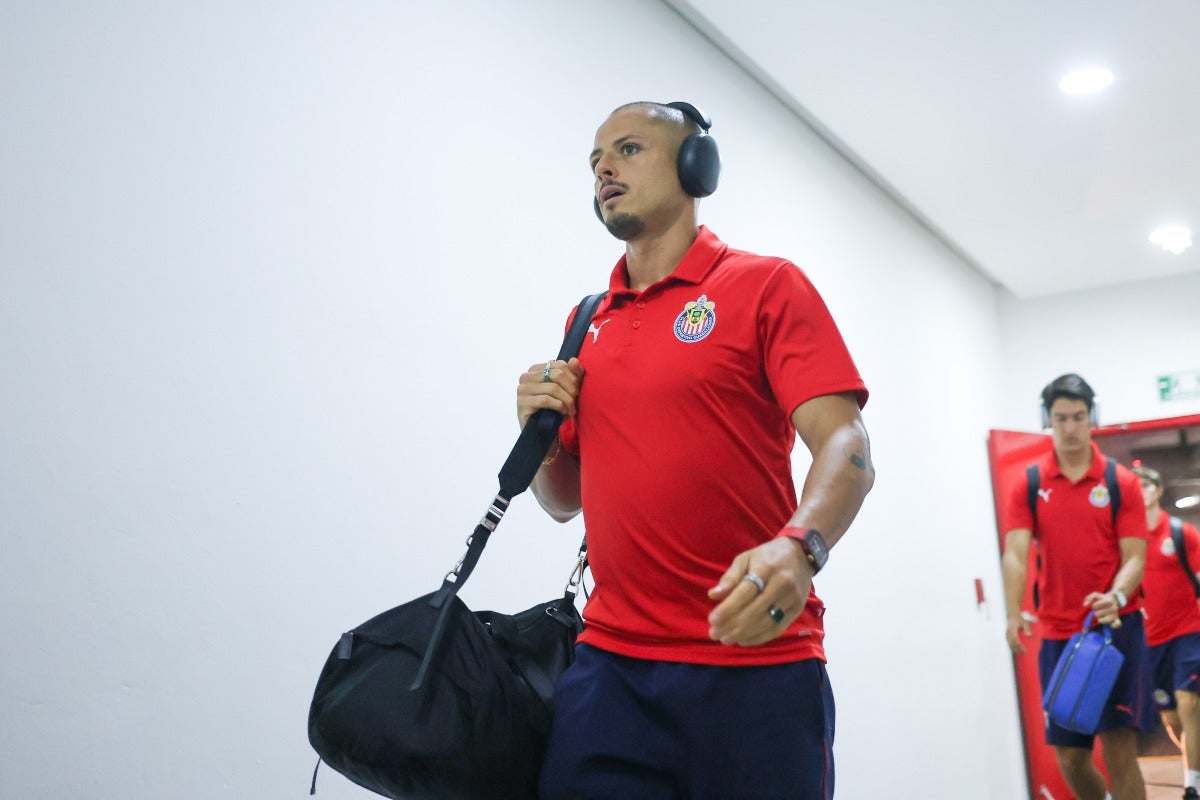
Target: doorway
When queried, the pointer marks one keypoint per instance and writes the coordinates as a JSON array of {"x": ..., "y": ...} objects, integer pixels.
[{"x": 1172, "y": 446}]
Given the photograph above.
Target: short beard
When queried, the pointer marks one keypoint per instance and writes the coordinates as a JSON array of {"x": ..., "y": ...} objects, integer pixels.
[{"x": 625, "y": 226}]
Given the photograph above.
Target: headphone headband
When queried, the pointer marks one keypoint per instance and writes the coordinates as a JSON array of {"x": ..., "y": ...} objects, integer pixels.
[
  {"x": 691, "y": 112},
  {"x": 699, "y": 162}
]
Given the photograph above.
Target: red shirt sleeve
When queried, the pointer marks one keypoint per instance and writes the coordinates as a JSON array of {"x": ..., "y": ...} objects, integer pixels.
[
  {"x": 568, "y": 434},
  {"x": 1017, "y": 514},
  {"x": 1131, "y": 519},
  {"x": 804, "y": 354}
]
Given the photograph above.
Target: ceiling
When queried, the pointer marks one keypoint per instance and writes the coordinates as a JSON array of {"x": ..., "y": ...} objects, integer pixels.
[{"x": 954, "y": 109}]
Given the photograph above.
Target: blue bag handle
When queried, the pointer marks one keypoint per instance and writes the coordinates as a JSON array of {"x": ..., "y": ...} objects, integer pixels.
[{"x": 1087, "y": 626}]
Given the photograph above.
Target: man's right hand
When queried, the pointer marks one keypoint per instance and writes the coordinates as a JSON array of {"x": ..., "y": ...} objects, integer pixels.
[
  {"x": 1017, "y": 627},
  {"x": 553, "y": 385}
]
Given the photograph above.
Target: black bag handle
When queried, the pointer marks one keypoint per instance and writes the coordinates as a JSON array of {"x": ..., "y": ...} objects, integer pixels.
[{"x": 515, "y": 476}]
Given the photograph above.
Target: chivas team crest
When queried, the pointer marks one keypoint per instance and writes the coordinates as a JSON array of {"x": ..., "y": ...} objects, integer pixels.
[{"x": 696, "y": 320}]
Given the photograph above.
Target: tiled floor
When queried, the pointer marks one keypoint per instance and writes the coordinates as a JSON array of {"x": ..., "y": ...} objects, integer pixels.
[{"x": 1163, "y": 776}]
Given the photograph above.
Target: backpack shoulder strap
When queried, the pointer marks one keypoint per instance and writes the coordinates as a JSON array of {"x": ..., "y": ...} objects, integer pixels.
[
  {"x": 1176, "y": 525},
  {"x": 1114, "y": 489},
  {"x": 1035, "y": 483}
]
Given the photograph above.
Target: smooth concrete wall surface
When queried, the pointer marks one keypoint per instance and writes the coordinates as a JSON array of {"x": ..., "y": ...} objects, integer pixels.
[
  {"x": 268, "y": 274},
  {"x": 1121, "y": 339}
]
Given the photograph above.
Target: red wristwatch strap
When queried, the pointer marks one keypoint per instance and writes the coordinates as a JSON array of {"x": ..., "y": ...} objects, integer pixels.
[{"x": 798, "y": 533}]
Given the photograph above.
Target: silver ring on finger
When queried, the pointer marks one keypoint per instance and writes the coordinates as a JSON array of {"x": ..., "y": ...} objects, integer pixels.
[
  {"x": 758, "y": 582},
  {"x": 546, "y": 372},
  {"x": 776, "y": 614}
]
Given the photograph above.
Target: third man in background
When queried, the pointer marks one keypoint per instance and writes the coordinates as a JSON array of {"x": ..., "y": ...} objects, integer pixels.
[{"x": 1173, "y": 625}]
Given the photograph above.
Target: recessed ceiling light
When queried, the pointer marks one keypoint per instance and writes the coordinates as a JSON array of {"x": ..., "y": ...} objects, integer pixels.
[
  {"x": 1086, "y": 81},
  {"x": 1173, "y": 238},
  {"x": 1191, "y": 501}
]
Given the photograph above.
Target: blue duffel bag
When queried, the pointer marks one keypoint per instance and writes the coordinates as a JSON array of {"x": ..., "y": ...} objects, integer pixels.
[{"x": 1083, "y": 679}]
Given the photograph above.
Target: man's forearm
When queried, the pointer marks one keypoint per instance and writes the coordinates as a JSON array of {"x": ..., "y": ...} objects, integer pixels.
[
  {"x": 838, "y": 481},
  {"x": 556, "y": 485},
  {"x": 1016, "y": 573},
  {"x": 1129, "y": 576}
]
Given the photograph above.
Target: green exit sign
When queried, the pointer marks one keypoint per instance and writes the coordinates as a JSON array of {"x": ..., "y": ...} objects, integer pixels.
[{"x": 1179, "y": 386}]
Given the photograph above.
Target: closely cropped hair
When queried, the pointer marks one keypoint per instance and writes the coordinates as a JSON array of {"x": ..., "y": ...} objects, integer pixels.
[
  {"x": 1149, "y": 474},
  {"x": 1070, "y": 386},
  {"x": 666, "y": 113}
]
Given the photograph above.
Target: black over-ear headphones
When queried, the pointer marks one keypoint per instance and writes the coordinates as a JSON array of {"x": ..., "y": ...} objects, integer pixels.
[{"x": 699, "y": 162}]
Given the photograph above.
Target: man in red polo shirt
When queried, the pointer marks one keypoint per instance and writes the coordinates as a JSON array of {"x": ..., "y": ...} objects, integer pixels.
[
  {"x": 1173, "y": 626},
  {"x": 700, "y": 672},
  {"x": 1089, "y": 562}
]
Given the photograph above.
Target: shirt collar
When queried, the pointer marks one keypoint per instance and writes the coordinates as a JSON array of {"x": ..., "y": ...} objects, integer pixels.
[
  {"x": 1095, "y": 470},
  {"x": 700, "y": 259}
]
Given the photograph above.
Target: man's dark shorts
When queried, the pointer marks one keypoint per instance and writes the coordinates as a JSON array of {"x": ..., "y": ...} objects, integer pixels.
[
  {"x": 1175, "y": 665},
  {"x": 657, "y": 730},
  {"x": 1130, "y": 705}
]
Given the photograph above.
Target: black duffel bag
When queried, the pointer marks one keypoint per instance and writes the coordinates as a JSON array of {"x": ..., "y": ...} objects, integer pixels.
[
  {"x": 475, "y": 728},
  {"x": 432, "y": 701}
]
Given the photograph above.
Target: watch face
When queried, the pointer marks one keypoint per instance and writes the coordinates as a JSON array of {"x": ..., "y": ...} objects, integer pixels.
[{"x": 816, "y": 547}]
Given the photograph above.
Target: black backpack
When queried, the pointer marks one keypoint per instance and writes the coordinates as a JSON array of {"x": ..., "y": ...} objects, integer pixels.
[{"x": 1035, "y": 483}]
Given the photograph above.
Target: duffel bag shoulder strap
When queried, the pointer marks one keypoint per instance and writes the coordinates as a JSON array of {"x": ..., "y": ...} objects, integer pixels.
[
  {"x": 515, "y": 476},
  {"x": 539, "y": 432}
]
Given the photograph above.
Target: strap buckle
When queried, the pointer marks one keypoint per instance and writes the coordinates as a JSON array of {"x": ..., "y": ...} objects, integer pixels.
[{"x": 580, "y": 567}]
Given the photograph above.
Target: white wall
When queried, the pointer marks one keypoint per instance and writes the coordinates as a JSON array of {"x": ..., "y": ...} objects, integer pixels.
[
  {"x": 1119, "y": 338},
  {"x": 268, "y": 273}
]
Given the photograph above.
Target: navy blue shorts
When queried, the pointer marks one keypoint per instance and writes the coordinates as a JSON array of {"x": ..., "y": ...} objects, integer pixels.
[
  {"x": 1130, "y": 705},
  {"x": 627, "y": 728},
  {"x": 1175, "y": 664}
]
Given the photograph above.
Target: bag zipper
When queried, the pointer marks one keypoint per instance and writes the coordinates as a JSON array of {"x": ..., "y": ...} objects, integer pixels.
[{"x": 1062, "y": 676}]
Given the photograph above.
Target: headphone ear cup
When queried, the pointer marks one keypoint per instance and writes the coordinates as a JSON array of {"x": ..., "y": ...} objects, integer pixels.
[{"x": 699, "y": 165}]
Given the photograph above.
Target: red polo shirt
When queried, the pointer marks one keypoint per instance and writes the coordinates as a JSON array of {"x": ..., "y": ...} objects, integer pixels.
[
  {"x": 684, "y": 437},
  {"x": 1171, "y": 608},
  {"x": 1079, "y": 546}
]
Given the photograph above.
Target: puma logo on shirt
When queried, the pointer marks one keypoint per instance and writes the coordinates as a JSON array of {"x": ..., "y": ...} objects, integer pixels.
[{"x": 595, "y": 332}]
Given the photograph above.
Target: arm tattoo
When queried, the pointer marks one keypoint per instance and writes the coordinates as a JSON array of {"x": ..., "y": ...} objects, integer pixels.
[{"x": 858, "y": 459}]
